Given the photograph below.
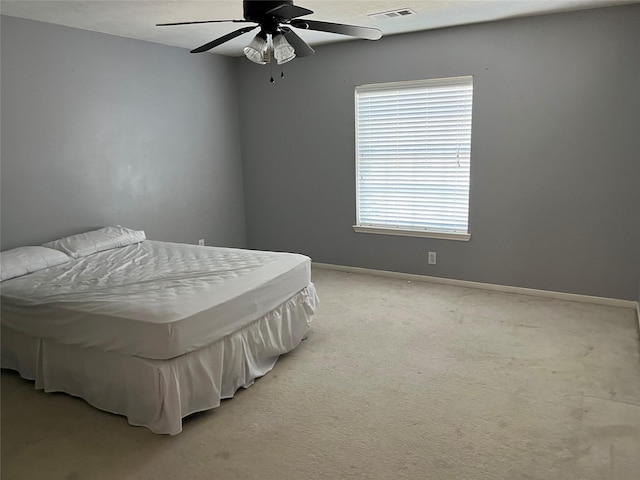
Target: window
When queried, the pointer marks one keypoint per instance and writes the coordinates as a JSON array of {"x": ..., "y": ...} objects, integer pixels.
[{"x": 413, "y": 152}]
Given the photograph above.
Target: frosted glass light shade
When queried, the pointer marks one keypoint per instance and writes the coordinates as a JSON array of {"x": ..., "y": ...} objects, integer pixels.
[
  {"x": 282, "y": 50},
  {"x": 256, "y": 48}
]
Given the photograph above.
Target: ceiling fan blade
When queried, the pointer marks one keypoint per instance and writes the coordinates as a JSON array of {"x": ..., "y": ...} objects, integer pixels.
[
  {"x": 299, "y": 45},
  {"x": 288, "y": 11},
  {"x": 201, "y": 21},
  {"x": 367, "y": 33},
  {"x": 224, "y": 38}
]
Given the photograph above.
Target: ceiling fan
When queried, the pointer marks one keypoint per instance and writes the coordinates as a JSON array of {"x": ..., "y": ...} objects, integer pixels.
[{"x": 275, "y": 19}]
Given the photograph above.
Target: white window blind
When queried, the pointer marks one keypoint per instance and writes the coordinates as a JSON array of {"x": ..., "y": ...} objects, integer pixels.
[{"x": 413, "y": 152}]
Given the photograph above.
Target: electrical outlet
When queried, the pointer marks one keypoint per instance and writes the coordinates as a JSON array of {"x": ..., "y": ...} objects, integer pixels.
[
  {"x": 431, "y": 258},
  {"x": 201, "y": 242}
]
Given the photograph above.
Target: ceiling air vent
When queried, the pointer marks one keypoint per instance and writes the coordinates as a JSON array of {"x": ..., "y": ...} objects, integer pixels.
[{"x": 400, "y": 12}]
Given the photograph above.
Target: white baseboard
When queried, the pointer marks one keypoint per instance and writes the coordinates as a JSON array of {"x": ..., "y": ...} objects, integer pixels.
[{"x": 572, "y": 297}]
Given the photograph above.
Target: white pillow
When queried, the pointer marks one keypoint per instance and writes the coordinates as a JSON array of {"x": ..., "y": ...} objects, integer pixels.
[
  {"x": 106, "y": 238},
  {"x": 22, "y": 260}
]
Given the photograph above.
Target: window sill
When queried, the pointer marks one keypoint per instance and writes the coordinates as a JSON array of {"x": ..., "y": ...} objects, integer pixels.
[{"x": 461, "y": 237}]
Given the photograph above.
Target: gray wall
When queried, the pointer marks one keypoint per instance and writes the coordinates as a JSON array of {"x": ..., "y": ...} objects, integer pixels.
[
  {"x": 555, "y": 199},
  {"x": 100, "y": 130}
]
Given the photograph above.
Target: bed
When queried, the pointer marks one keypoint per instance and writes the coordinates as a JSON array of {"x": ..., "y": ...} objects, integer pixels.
[{"x": 152, "y": 330}]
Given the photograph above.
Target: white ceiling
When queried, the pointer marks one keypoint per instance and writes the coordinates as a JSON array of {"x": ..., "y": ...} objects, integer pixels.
[{"x": 137, "y": 18}]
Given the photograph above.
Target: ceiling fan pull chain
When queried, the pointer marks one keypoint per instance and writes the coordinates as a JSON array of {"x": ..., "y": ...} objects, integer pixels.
[
  {"x": 270, "y": 48},
  {"x": 272, "y": 80}
]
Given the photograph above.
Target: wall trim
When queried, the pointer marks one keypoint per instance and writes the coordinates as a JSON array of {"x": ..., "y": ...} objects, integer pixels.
[{"x": 571, "y": 297}]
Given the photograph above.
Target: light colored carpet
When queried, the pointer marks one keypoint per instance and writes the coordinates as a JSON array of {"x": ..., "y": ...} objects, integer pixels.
[{"x": 396, "y": 380}]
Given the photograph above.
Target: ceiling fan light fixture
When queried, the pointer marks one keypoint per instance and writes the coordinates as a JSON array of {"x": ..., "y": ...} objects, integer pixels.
[
  {"x": 278, "y": 20},
  {"x": 282, "y": 50},
  {"x": 256, "y": 49}
]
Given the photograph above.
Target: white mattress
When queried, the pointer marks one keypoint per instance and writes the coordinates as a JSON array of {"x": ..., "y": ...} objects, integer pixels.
[
  {"x": 154, "y": 300},
  {"x": 159, "y": 393}
]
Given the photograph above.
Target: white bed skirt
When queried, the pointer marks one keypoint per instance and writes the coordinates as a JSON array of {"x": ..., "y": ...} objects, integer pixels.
[{"x": 157, "y": 394}]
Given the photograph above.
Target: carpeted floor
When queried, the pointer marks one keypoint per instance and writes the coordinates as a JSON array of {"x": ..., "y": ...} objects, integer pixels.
[{"x": 397, "y": 380}]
